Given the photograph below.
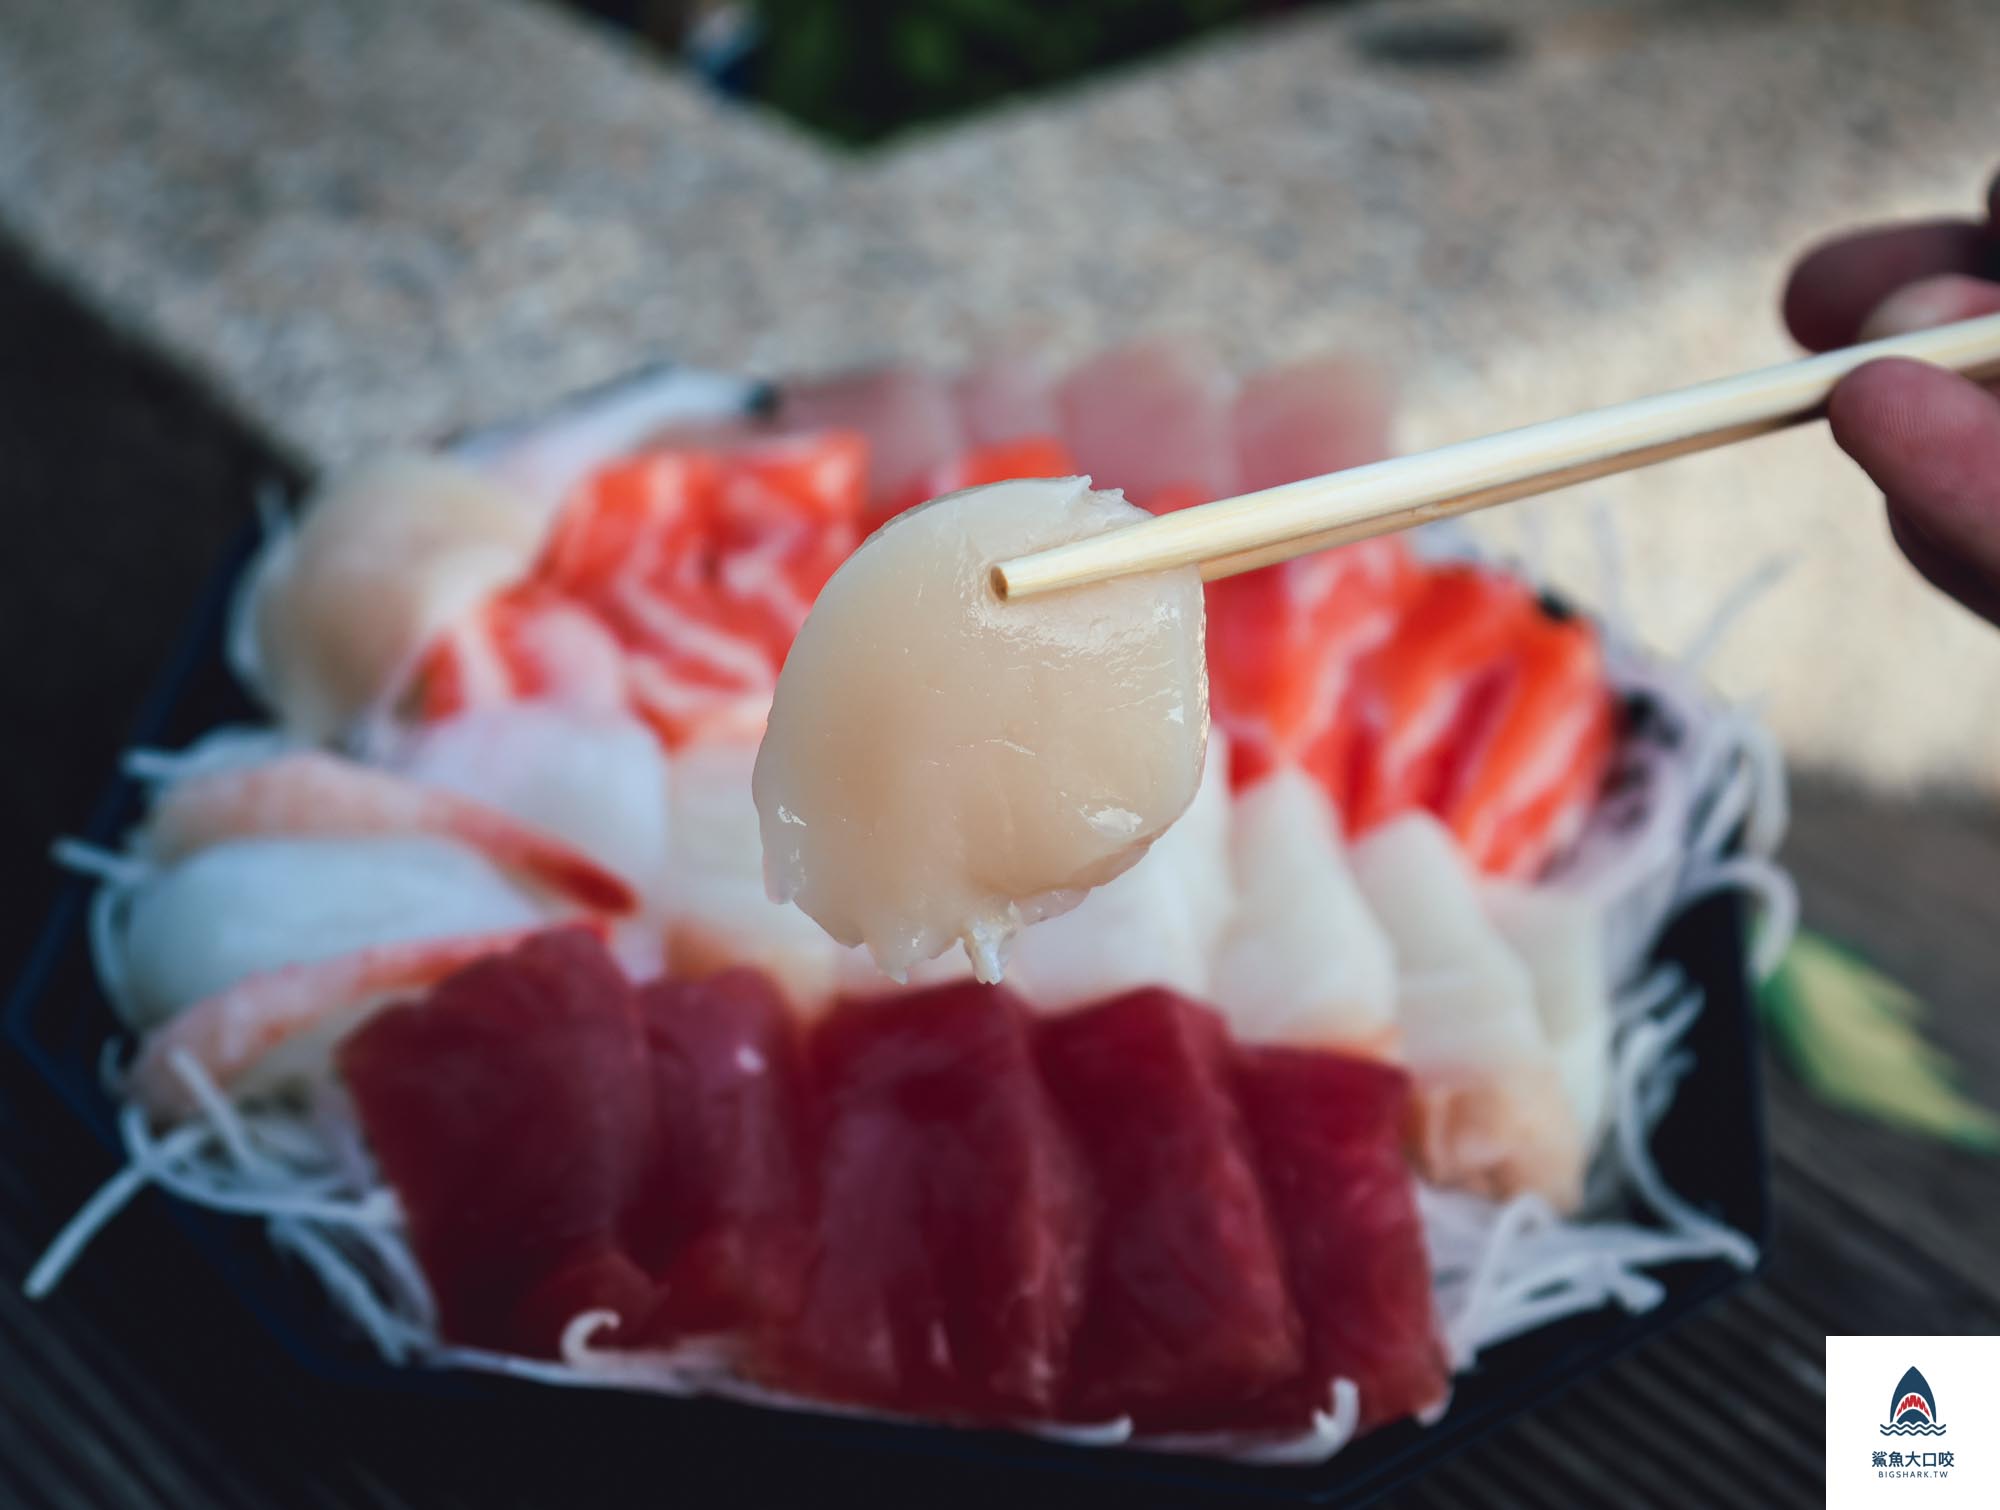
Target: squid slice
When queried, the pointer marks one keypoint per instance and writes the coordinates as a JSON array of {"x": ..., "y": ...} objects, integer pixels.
[
  {"x": 1304, "y": 961},
  {"x": 942, "y": 767},
  {"x": 384, "y": 559},
  {"x": 1560, "y": 937},
  {"x": 596, "y": 781},
  {"x": 1490, "y": 1108}
]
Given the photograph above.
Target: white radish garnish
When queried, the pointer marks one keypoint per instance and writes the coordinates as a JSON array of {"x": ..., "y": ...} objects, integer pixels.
[
  {"x": 1304, "y": 960},
  {"x": 598, "y": 782},
  {"x": 940, "y": 766},
  {"x": 309, "y": 792},
  {"x": 247, "y": 906},
  {"x": 1492, "y": 1115},
  {"x": 385, "y": 557},
  {"x": 1159, "y": 924}
]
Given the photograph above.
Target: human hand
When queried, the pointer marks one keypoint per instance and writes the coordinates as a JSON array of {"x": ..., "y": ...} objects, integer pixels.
[{"x": 1929, "y": 438}]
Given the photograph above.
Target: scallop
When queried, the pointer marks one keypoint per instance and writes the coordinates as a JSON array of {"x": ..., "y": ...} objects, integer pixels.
[{"x": 941, "y": 767}]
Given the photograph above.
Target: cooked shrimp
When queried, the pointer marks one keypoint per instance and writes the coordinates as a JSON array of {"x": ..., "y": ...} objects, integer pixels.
[
  {"x": 314, "y": 793},
  {"x": 229, "y": 1035},
  {"x": 943, "y": 767}
]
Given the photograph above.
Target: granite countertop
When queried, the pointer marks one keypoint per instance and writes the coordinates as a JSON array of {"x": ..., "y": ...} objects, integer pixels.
[{"x": 366, "y": 221}]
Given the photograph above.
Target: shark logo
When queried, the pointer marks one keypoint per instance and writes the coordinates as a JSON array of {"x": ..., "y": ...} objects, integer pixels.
[{"x": 1913, "y": 1409}]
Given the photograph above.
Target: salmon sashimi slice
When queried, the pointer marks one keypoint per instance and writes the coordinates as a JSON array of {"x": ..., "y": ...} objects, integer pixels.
[
  {"x": 1283, "y": 645},
  {"x": 948, "y": 1272},
  {"x": 1188, "y": 1313},
  {"x": 671, "y": 586},
  {"x": 1326, "y": 1129},
  {"x": 511, "y": 1111},
  {"x": 1527, "y": 791},
  {"x": 721, "y": 1216}
]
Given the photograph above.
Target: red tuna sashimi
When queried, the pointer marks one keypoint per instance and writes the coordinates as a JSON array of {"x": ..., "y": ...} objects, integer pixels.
[
  {"x": 1151, "y": 418},
  {"x": 1283, "y": 645},
  {"x": 949, "y": 1265},
  {"x": 511, "y": 1112},
  {"x": 722, "y": 1211},
  {"x": 1327, "y": 1134},
  {"x": 1187, "y": 1314},
  {"x": 1308, "y": 419},
  {"x": 907, "y": 417},
  {"x": 1006, "y": 397}
]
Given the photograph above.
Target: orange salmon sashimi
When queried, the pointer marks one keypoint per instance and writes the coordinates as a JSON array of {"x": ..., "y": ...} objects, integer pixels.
[
  {"x": 1283, "y": 644},
  {"x": 1001, "y": 461},
  {"x": 672, "y": 584},
  {"x": 1398, "y": 686}
]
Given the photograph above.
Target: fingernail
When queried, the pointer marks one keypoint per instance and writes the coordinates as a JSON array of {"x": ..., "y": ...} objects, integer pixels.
[{"x": 1929, "y": 302}]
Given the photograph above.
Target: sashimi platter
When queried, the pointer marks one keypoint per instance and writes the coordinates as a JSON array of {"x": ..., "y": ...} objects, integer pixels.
[{"x": 678, "y": 930}]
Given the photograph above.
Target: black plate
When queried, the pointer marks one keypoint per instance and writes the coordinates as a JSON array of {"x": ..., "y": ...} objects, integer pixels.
[{"x": 1711, "y": 1148}]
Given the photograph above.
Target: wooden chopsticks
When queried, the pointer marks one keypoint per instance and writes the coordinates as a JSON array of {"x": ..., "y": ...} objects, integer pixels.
[{"x": 1236, "y": 534}]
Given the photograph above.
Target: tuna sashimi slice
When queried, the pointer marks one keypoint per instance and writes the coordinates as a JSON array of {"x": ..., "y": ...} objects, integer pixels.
[
  {"x": 1187, "y": 1315},
  {"x": 721, "y": 1218},
  {"x": 1326, "y": 1130},
  {"x": 510, "y": 1110},
  {"x": 949, "y": 1265},
  {"x": 1308, "y": 419},
  {"x": 1151, "y": 418}
]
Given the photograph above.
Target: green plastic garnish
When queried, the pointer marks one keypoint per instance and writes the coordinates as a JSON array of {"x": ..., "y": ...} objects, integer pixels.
[{"x": 1854, "y": 1037}]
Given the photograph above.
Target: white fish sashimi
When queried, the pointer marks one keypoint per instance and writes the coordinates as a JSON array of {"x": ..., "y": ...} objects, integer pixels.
[
  {"x": 1492, "y": 1113},
  {"x": 598, "y": 781},
  {"x": 1560, "y": 937},
  {"x": 1304, "y": 960},
  {"x": 1159, "y": 924},
  {"x": 337, "y": 610},
  {"x": 245, "y": 906}
]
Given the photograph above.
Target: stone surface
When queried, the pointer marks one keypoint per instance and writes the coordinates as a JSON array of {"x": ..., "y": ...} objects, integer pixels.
[{"x": 372, "y": 220}]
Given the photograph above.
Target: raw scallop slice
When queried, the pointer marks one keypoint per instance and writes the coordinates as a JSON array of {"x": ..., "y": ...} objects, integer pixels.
[
  {"x": 511, "y": 1111},
  {"x": 1151, "y": 419},
  {"x": 1188, "y": 1314},
  {"x": 1308, "y": 419},
  {"x": 940, "y": 766},
  {"x": 1327, "y": 1130},
  {"x": 722, "y": 1214},
  {"x": 1492, "y": 1116},
  {"x": 950, "y": 1256},
  {"x": 1159, "y": 924},
  {"x": 1303, "y": 961}
]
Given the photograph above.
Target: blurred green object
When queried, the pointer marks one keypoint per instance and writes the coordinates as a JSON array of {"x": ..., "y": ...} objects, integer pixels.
[
  {"x": 1853, "y": 1035},
  {"x": 861, "y": 72}
]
